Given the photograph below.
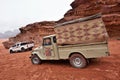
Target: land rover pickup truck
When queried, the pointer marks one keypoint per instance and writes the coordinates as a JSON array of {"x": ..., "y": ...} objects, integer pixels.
[
  {"x": 21, "y": 46},
  {"x": 84, "y": 45}
]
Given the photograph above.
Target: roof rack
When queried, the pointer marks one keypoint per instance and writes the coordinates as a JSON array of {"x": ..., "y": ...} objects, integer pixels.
[{"x": 79, "y": 20}]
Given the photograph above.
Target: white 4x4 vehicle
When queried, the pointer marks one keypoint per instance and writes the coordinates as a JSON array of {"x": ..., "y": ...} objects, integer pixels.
[{"x": 21, "y": 46}]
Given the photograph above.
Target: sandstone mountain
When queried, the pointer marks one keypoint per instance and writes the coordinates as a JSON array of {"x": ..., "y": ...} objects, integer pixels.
[{"x": 110, "y": 10}]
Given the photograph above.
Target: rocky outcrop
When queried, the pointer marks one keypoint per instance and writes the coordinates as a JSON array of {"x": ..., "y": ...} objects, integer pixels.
[
  {"x": 32, "y": 32},
  {"x": 110, "y": 10},
  {"x": 111, "y": 18}
]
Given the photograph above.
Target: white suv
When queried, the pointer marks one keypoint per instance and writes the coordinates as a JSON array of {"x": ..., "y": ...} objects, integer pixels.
[{"x": 21, "y": 46}]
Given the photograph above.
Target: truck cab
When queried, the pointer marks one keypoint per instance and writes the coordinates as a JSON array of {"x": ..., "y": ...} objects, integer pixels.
[{"x": 48, "y": 50}]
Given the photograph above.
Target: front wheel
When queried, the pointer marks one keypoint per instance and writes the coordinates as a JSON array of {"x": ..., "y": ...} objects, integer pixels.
[
  {"x": 11, "y": 51},
  {"x": 78, "y": 61},
  {"x": 35, "y": 59}
]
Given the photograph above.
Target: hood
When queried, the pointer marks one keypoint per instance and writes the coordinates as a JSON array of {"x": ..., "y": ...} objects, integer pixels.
[{"x": 38, "y": 48}]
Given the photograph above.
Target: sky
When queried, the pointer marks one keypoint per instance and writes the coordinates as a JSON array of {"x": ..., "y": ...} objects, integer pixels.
[{"x": 18, "y": 13}]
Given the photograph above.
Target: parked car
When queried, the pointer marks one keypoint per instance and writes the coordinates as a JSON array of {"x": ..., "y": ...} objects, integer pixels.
[{"x": 21, "y": 47}]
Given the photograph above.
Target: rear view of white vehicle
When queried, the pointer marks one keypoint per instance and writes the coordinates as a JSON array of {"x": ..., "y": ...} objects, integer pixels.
[{"x": 21, "y": 47}]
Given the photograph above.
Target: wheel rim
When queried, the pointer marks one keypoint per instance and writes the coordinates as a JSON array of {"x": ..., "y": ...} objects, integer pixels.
[
  {"x": 35, "y": 60},
  {"x": 77, "y": 62}
]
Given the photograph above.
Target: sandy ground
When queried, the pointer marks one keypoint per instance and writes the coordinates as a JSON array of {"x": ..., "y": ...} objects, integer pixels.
[{"x": 18, "y": 67}]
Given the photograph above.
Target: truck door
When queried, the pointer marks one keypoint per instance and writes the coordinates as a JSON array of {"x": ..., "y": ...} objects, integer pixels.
[
  {"x": 17, "y": 47},
  {"x": 14, "y": 47},
  {"x": 48, "y": 50}
]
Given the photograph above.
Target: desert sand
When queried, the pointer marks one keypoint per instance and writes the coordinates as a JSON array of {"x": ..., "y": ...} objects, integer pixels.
[{"x": 18, "y": 66}]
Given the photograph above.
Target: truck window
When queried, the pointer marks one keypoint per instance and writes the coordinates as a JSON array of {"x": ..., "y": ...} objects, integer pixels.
[
  {"x": 13, "y": 45},
  {"x": 17, "y": 44},
  {"x": 23, "y": 44},
  {"x": 54, "y": 39},
  {"x": 47, "y": 41}
]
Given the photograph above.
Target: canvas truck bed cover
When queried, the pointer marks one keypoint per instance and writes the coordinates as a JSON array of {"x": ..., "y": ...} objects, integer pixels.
[{"x": 83, "y": 30}]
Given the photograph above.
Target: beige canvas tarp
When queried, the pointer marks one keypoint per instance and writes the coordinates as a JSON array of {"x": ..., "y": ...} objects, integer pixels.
[{"x": 84, "y": 30}]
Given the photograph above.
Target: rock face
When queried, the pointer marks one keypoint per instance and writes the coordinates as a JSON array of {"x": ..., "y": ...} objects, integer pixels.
[
  {"x": 80, "y": 8},
  {"x": 32, "y": 32},
  {"x": 110, "y": 10}
]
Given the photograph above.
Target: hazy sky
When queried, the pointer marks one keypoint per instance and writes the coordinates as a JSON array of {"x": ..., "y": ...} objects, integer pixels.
[{"x": 18, "y": 13}]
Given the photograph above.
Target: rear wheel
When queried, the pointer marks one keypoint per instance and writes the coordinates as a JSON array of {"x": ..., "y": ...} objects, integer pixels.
[
  {"x": 22, "y": 49},
  {"x": 30, "y": 49},
  {"x": 78, "y": 61},
  {"x": 35, "y": 59}
]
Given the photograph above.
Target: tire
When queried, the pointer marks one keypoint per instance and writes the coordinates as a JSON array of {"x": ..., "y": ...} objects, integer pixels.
[
  {"x": 77, "y": 61},
  {"x": 30, "y": 49},
  {"x": 11, "y": 51},
  {"x": 22, "y": 49},
  {"x": 35, "y": 60}
]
